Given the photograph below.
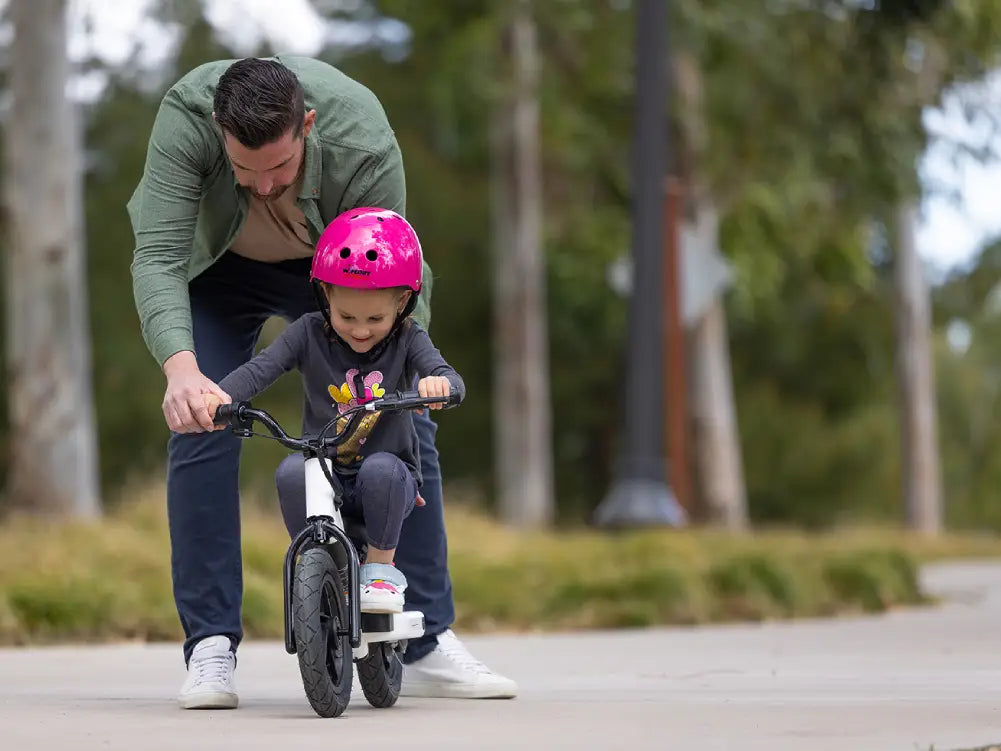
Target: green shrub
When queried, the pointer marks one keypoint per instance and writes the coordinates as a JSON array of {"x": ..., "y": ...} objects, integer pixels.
[{"x": 111, "y": 580}]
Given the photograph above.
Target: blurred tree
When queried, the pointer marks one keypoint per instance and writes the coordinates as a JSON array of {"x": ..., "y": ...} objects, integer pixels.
[
  {"x": 835, "y": 110},
  {"x": 53, "y": 467},
  {"x": 921, "y": 479},
  {"x": 806, "y": 140},
  {"x": 524, "y": 456},
  {"x": 968, "y": 313},
  {"x": 719, "y": 472}
]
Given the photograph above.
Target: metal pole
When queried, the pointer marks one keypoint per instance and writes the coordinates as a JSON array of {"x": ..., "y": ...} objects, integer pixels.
[{"x": 640, "y": 495}]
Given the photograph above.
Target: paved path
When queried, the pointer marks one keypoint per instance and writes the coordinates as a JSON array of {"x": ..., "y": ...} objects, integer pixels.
[{"x": 908, "y": 680}]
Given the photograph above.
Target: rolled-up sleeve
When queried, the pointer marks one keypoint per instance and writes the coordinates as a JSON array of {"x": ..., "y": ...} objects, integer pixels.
[{"x": 164, "y": 212}]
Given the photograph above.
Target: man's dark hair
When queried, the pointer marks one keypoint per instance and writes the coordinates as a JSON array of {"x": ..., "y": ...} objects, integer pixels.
[{"x": 259, "y": 101}]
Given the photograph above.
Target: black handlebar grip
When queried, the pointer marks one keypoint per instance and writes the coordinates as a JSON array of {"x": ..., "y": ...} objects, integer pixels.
[
  {"x": 453, "y": 398},
  {"x": 223, "y": 414}
]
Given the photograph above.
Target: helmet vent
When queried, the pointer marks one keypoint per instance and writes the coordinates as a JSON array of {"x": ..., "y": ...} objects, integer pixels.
[
  {"x": 372, "y": 255},
  {"x": 345, "y": 252}
]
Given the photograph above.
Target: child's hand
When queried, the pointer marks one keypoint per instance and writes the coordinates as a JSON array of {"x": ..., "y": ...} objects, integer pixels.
[
  {"x": 434, "y": 386},
  {"x": 212, "y": 403}
]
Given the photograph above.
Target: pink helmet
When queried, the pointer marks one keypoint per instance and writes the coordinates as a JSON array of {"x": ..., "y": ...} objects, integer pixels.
[{"x": 369, "y": 248}]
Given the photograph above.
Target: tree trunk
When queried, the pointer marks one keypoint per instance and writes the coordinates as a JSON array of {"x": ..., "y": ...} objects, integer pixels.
[
  {"x": 719, "y": 471},
  {"x": 922, "y": 491},
  {"x": 523, "y": 441},
  {"x": 53, "y": 468}
]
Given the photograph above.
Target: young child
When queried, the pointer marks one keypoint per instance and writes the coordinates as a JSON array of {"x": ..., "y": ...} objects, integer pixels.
[{"x": 368, "y": 265}]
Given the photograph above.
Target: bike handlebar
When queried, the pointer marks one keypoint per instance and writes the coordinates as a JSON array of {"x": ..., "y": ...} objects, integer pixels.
[{"x": 242, "y": 415}]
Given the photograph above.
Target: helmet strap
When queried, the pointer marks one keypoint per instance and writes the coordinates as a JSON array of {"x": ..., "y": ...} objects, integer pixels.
[{"x": 321, "y": 301}]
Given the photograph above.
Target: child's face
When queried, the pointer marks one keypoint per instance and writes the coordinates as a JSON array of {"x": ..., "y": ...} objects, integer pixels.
[{"x": 364, "y": 317}]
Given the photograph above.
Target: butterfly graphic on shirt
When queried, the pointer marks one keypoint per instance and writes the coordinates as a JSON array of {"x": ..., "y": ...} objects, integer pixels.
[{"x": 355, "y": 390}]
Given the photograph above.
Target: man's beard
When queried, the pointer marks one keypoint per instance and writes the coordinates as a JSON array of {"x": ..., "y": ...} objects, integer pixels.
[{"x": 275, "y": 193}]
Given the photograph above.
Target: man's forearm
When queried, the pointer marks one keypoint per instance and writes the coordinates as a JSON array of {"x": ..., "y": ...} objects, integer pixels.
[
  {"x": 179, "y": 363},
  {"x": 161, "y": 297}
]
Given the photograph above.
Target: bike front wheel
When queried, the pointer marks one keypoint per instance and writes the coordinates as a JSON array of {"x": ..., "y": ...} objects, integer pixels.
[{"x": 319, "y": 612}]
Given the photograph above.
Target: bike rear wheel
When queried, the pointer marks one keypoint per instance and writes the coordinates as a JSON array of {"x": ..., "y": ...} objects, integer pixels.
[
  {"x": 319, "y": 612},
  {"x": 380, "y": 674}
]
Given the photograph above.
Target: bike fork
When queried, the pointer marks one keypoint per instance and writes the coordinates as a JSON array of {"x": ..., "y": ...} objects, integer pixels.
[{"x": 323, "y": 524}]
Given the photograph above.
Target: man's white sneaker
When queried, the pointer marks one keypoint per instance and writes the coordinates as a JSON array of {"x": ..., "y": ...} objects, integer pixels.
[
  {"x": 450, "y": 672},
  {"x": 209, "y": 684}
]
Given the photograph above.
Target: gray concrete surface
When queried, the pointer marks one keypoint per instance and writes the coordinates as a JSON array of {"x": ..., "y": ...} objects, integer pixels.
[{"x": 907, "y": 680}]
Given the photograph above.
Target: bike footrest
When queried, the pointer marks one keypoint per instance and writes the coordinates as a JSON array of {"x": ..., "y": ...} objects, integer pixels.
[
  {"x": 391, "y": 627},
  {"x": 376, "y": 622}
]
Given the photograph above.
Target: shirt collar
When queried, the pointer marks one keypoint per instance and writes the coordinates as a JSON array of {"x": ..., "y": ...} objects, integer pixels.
[{"x": 313, "y": 168}]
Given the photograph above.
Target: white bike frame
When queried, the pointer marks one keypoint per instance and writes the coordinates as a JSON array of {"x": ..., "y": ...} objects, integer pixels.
[
  {"x": 320, "y": 502},
  {"x": 319, "y": 493}
]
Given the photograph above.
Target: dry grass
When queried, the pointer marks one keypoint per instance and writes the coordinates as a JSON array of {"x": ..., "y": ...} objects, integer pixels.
[{"x": 111, "y": 580}]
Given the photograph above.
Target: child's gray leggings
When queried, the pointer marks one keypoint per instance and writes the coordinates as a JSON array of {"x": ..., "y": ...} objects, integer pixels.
[{"x": 382, "y": 493}]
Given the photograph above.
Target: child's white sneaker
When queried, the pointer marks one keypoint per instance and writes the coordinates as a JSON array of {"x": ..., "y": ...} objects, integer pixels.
[
  {"x": 210, "y": 684},
  {"x": 382, "y": 587}
]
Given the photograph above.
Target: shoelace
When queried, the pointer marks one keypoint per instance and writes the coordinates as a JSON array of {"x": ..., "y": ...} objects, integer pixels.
[
  {"x": 212, "y": 669},
  {"x": 456, "y": 651}
]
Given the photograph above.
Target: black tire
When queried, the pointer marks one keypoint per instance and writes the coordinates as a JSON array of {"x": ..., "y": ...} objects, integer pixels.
[
  {"x": 319, "y": 612},
  {"x": 380, "y": 674}
]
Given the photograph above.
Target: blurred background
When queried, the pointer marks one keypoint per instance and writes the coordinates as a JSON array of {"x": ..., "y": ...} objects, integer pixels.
[{"x": 828, "y": 241}]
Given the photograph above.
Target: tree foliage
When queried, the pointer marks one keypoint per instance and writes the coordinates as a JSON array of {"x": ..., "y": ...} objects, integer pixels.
[{"x": 814, "y": 115}]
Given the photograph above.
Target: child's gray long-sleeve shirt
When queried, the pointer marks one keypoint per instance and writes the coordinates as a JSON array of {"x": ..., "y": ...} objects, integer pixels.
[{"x": 334, "y": 377}]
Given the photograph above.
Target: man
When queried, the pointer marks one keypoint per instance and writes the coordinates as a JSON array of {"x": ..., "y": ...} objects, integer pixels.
[{"x": 247, "y": 163}]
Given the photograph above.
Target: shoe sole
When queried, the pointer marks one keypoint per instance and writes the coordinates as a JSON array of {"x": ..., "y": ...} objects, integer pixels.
[
  {"x": 215, "y": 700},
  {"x": 454, "y": 691},
  {"x": 381, "y": 605}
]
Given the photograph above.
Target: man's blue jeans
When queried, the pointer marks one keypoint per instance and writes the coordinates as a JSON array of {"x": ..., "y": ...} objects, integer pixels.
[{"x": 230, "y": 303}]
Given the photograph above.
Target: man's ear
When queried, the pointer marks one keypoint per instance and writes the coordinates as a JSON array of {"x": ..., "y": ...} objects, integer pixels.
[{"x": 307, "y": 122}]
